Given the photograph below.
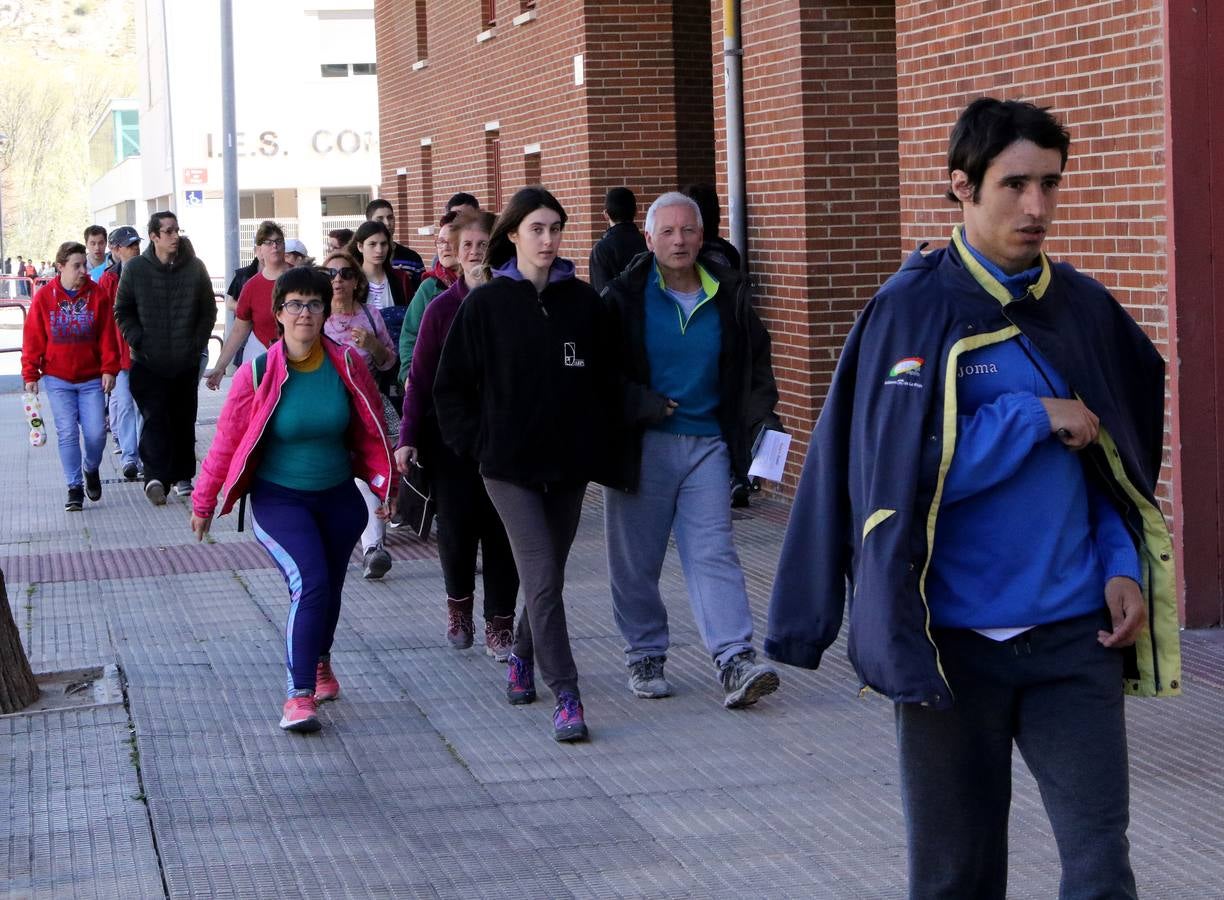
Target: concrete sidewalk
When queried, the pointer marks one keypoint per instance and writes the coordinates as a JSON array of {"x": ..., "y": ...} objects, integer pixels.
[{"x": 424, "y": 782}]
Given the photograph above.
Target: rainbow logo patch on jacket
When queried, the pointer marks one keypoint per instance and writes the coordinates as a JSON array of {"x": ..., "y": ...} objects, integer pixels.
[{"x": 911, "y": 365}]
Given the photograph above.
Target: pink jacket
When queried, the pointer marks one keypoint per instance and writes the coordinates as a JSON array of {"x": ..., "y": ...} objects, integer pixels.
[{"x": 234, "y": 454}]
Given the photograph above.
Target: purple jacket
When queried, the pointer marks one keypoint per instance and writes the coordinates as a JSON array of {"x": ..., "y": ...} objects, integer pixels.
[{"x": 418, "y": 390}]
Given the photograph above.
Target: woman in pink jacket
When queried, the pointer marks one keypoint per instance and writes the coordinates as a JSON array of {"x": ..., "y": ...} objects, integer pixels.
[{"x": 299, "y": 424}]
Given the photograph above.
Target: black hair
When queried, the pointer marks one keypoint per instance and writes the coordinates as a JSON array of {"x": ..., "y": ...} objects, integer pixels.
[
  {"x": 462, "y": 199},
  {"x": 706, "y": 198},
  {"x": 94, "y": 229},
  {"x": 363, "y": 233},
  {"x": 305, "y": 280},
  {"x": 343, "y": 235},
  {"x": 988, "y": 126},
  {"x": 155, "y": 221},
  {"x": 620, "y": 204},
  {"x": 375, "y": 205},
  {"x": 526, "y": 201}
]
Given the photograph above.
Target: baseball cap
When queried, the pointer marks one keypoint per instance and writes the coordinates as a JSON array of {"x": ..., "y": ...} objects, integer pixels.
[
  {"x": 293, "y": 245},
  {"x": 123, "y": 236}
]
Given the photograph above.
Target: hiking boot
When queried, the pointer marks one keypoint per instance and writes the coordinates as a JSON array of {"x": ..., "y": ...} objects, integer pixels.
[
  {"x": 300, "y": 714},
  {"x": 183, "y": 488},
  {"x": 568, "y": 723},
  {"x": 156, "y": 492},
  {"x": 520, "y": 681},
  {"x": 93, "y": 485},
  {"x": 646, "y": 678},
  {"x": 76, "y": 499},
  {"x": 130, "y": 472},
  {"x": 376, "y": 563},
  {"x": 459, "y": 628},
  {"x": 499, "y": 637},
  {"x": 746, "y": 681},
  {"x": 326, "y": 685}
]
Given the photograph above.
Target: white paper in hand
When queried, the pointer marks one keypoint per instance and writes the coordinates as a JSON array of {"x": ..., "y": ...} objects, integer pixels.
[{"x": 770, "y": 459}]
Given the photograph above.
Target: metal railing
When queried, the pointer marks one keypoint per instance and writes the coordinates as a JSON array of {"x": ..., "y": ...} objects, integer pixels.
[{"x": 14, "y": 304}]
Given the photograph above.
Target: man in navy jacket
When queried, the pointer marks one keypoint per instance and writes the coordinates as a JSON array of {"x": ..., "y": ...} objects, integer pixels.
[{"x": 981, "y": 484}]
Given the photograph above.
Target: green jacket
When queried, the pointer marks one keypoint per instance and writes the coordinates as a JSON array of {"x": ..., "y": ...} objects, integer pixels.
[{"x": 429, "y": 289}]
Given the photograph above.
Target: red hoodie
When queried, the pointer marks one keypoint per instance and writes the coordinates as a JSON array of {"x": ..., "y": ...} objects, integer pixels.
[
  {"x": 72, "y": 338},
  {"x": 108, "y": 281}
]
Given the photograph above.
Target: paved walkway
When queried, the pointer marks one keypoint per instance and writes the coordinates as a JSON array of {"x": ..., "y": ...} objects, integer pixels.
[{"x": 424, "y": 782}]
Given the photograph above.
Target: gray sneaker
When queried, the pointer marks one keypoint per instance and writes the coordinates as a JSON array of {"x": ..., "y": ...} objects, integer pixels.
[
  {"x": 183, "y": 488},
  {"x": 156, "y": 492},
  {"x": 746, "y": 681},
  {"x": 646, "y": 678},
  {"x": 375, "y": 563}
]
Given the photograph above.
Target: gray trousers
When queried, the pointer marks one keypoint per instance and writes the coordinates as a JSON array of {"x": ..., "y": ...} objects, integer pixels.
[
  {"x": 1057, "y": 695},
  {"x": 541, "y": 526},
  {"x": 685, "y": 487}
]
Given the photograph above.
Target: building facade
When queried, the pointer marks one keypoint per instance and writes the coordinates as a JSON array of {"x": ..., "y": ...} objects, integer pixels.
[
  {"x": 307, "y": 122},
  {"x": 847, "y": 110}
]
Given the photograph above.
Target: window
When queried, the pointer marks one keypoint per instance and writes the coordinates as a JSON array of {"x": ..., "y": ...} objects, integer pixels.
[
  {"x": 488, "y": 13},
  {"x": 427, "y": 199},
  {"x": 334, "y": 70},
  {"x": 532, "y": 168},
  {"x": 493, "y": 186},
  {"x": 365, "y": 68},
  {"x": 422, "y": 32},
  {"x": 256, "y": 205}
]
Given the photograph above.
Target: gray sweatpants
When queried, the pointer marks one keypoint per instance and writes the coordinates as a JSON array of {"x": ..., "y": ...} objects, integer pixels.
[{"x": 541, "y": 526}]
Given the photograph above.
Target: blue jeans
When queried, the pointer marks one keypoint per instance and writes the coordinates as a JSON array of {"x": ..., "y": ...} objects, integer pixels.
[
  {"x": 124, "y": 418},
  {"x": 685, "y": 486},
  {"x": 79, "y": 409}
]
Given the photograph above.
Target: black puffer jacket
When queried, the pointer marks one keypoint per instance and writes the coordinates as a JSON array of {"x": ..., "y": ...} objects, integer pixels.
[
  {"x": 747, "y": 391},
  {"x": 166, "y": 312}
]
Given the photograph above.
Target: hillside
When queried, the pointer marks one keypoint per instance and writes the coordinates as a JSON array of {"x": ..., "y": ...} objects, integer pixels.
[{"x": 63, "y": 60}]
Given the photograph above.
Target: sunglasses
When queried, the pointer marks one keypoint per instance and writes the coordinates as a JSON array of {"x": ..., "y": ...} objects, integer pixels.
[{"x": 348, "y": 273}]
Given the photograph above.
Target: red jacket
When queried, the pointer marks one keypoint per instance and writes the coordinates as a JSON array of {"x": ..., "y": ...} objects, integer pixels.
[
  {"x": 234, "y": 455},
  {"x": 69, "y": 338},
  {"x": 109, "y": 282}
]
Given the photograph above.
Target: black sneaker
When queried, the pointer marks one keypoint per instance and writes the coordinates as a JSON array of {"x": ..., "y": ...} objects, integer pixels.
[
  {"x": 131, "y": 472},
  {"x": 156, "y": 492},
  {"x": 746, "y": 681},
  {"x": 93, "y": 486},
  {"x": 646, "y": 678},
  {"x": 375, "y": 563},
  {"x": 76, "y": 499}
]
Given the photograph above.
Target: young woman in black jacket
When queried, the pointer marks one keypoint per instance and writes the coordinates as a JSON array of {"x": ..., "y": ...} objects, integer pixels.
[{"x": 525, "y": 387}]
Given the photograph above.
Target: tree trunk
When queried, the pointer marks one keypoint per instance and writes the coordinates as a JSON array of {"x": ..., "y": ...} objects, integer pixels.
[{"x": 18, "y": 689}]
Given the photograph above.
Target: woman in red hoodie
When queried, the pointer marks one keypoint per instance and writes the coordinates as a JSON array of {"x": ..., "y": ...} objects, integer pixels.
[{"x": 69, "y": 345}]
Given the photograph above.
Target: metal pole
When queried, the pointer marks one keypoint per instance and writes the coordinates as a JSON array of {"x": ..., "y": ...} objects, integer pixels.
[
  {"x": 733, "y": 80},
  {"x": 229, "y": 127},
  {"x": 3, "y": 143}
]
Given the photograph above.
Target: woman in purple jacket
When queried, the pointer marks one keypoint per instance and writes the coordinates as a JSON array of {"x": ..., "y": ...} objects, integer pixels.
[{"x": 466, "y": 517}]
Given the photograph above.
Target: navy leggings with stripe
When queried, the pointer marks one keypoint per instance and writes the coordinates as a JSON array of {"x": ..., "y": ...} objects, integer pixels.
[{"x": 310, "y": 535}]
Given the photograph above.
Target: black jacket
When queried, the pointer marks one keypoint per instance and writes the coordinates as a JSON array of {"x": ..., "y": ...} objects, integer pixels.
[
  {"x": 614, "y": 251},
  {"x": 525, "y": 385},
  {"x": 747, "y": 392},
  {"x": 166, "y": 312}
]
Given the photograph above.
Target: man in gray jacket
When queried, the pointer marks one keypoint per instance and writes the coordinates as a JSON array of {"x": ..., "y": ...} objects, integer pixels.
[{"x": 166, "y": 311}]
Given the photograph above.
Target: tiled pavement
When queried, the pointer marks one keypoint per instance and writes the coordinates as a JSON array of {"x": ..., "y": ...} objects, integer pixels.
[{"x": 424, "y": 782}]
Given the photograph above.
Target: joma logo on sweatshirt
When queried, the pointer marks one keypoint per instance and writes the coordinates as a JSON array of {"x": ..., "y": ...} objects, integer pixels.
[
  {"x": 571, "y": 356},
  {"x": 979, "y": 369}
]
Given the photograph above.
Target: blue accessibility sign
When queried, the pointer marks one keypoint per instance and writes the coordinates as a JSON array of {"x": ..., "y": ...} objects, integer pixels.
[{"x": 195, "y": 198}]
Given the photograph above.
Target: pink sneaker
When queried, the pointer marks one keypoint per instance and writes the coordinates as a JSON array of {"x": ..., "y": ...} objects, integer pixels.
[
  {"x": 326, "y": 685},
  {"x": 300, "y": 714}
]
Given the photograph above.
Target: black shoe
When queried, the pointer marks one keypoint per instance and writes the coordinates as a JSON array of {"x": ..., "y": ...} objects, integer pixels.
[
  {"x": 93, "y": 486},
  {"x": 156, "y": 492},
  {"x": 739, "y": 494},
  {"x": 76, "y": 499},
  {"x": 746, "y": 681},
  {"x": 131, "y": 472}
]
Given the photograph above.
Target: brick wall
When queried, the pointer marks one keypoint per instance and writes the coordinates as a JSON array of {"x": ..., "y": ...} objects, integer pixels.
[
  {"x": 821, "y": 147},
  {"x": 1099, "y": 65}
]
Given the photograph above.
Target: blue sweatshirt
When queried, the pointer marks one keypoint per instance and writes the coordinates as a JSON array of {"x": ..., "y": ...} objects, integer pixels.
[
  {"x": 682, "y": 350},
  {"x": 1022, "y": 538}
]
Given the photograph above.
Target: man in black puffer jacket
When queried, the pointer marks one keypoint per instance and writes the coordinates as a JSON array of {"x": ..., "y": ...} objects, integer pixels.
[
  {"x": 166, "y": 311},
  {"x": 697, "y": 389}
]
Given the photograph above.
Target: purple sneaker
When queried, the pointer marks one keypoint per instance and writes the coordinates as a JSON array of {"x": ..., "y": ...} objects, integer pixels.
[
  {"x": 520, "y": 683},
  {"x": 568, "y": 724}
]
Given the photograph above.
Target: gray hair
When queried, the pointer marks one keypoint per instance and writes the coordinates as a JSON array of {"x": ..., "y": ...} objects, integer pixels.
[{"x": 671, "y": 198}]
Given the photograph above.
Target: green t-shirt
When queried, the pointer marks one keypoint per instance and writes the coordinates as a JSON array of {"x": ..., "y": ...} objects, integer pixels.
[{"x": 304, "y": 446}]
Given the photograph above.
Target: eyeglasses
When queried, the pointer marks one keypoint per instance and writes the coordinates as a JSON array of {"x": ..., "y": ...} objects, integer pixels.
[
  {"x": 347, "y": 273},
  {"x": 271, "y": 242},
  {"x": 441, "y": 242},
  {"x": 297, "y": 307}
]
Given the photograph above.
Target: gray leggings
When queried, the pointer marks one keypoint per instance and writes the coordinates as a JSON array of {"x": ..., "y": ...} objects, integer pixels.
[{"x": 541, "y": 526}]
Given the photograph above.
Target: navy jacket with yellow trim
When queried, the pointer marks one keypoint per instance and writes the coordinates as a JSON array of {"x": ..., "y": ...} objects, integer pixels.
[{"x": 863, "y": 521}]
